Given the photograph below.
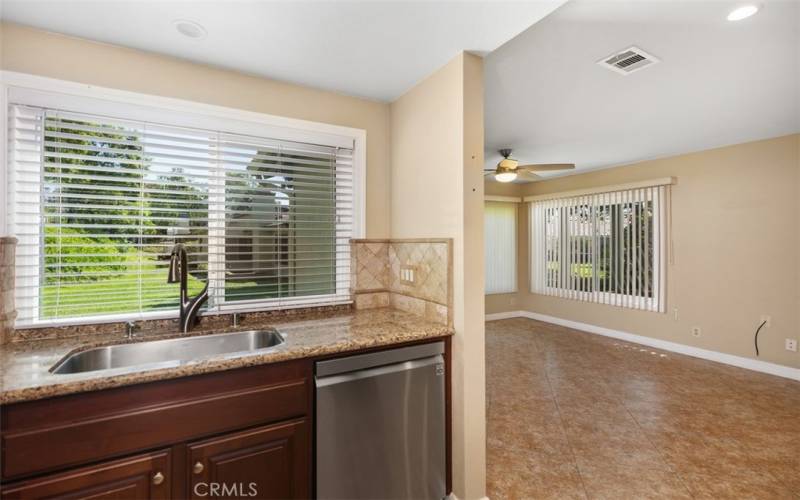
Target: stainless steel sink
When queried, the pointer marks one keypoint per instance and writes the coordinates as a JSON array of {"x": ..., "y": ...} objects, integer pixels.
[{"x": 172, "y": 351}]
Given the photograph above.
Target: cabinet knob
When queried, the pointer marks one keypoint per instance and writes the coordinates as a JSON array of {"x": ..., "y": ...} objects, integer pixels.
[
  {"x": 198, "y": 467},
  {"x": 158, "y": 478}
]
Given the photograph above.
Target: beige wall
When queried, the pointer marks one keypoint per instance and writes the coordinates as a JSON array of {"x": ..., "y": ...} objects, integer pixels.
[
  {"x": 437, "y": 191},
  {"x": 37, "y": 52},
  {"x": 735, "y": 236}
]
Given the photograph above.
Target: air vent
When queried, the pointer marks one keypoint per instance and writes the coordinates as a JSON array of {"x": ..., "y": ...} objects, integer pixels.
[{"x": 628, "y": 61}]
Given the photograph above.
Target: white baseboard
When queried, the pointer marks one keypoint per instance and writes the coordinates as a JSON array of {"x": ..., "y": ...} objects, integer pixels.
[
  {"x": 719, "y": 357},
  {"x": 506, "y": 315},
  {"x": 452, "y": 496}
]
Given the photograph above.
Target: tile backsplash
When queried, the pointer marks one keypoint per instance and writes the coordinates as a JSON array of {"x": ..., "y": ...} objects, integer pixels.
[
  {"x": 430, "y": 262},
  {"x": 8, "y": 312},
  {"x": 370, "y": 259},
  {"x": 413, "y": 275}
]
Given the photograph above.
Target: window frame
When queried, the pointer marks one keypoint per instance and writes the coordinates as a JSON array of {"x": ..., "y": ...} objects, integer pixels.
[
  {"x": 32, "y": 90},
  {"x": 614, "y": 195}
]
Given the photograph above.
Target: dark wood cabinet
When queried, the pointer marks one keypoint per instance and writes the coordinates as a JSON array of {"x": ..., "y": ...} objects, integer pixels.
[
  {"x": 141, "y": 476},
  {"x": 244, "y": 426},
  {"x": 268, "y": 462},
  {"x": 50, "y": 434},
  {"x": 172, "y": 438}
]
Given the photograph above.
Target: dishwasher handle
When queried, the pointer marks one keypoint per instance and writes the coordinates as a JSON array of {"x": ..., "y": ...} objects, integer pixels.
[
  {"x": 357, "y": 362},
  {"x": 331, "y": 380}
]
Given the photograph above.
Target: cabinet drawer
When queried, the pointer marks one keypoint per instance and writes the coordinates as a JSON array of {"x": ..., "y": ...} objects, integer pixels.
[
  {"x": 50, "y": 434},
  {"x": 142, "y": 476}
]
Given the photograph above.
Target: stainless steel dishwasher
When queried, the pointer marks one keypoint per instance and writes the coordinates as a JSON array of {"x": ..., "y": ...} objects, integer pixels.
[{"x": 380, "y": 426}]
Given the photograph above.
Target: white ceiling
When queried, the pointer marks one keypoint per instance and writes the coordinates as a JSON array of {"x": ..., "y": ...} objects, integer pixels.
[
  {"x": 718, "y": 82},
  {"x": 373, "y": 49}
]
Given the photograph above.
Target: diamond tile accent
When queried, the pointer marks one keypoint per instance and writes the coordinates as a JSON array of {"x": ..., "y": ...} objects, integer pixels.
[
  {"x": 430, "y": 260},
  {"x": 369, "y": 262},
  {"x": 376, "y": 269}
]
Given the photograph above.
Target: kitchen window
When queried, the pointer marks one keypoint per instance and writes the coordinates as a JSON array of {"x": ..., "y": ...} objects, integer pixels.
[
  {"x": 97, "y": 202},
  {"x": 500, "y": 240},
  {"x": 606, "y": 247}
]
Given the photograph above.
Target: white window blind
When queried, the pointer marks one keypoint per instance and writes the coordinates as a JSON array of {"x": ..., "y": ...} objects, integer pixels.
[
  {"x": 97, "y": 204},
  {"x": 607, "y": 248},
  {"x": 500, "y": 239}
]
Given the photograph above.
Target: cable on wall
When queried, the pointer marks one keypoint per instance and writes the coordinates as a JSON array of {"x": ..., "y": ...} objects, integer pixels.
[{"x": 756, "y": 336}]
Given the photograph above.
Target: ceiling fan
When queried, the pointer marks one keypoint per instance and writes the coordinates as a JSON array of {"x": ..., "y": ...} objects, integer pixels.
[{"x": 509, "y": 169}]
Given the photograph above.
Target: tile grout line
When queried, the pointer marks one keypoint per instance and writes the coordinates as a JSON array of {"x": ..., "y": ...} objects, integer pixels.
[
  {"x": 704, "y": 440},
  {"x": 646, "y": 435},
  {"x": 658, "y": 451},
  {"x": 674, "y": 472},
  {"x": 638, "y": 426},
  {"x": 638, "y": 368},
  {"x": 779, "y": 479},
  {"x": 621, "y": 402},
  {"x": 562, "y": 425}
]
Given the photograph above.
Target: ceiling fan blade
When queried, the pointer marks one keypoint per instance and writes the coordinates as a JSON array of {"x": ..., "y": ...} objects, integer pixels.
[
  {"x": 547, "y": 167},
  {"x": 527, "y": 176}
]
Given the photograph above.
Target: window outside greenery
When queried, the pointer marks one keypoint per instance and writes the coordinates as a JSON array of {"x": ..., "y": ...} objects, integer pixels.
[
  {"x": 598, "y": 253},
  {"x": 113, "y": 204}
]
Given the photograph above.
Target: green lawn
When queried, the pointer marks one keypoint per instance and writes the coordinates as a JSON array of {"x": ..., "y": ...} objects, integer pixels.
[
  {"x": 586, "y": 271},
  {"x": 121, "y": 293},
  {"x": 580, "y": 270}
]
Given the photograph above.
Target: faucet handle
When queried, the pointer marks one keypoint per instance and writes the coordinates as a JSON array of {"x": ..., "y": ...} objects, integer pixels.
[{"x": 130, "y": 329}]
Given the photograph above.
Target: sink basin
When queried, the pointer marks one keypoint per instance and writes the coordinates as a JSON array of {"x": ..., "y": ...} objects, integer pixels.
[{"x": 166, "y": 351}]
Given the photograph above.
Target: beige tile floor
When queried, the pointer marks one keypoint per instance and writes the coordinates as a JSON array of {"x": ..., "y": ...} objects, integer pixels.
[{"x": 576, "y": 415}]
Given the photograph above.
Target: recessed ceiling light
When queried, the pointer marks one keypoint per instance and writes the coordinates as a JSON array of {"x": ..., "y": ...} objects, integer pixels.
[
  {"x": 190, "y": 29},
  {"x": 742, "y": 12}
]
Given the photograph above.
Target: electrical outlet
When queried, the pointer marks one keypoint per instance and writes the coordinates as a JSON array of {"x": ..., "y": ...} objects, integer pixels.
[
  {"x": 791, "y": 345},
  {"x": 696, "y": 331},
  {"x": 767, "y": 320}
]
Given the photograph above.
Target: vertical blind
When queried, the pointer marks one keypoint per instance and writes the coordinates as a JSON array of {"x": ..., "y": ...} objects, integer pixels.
[
  {"x": 97, "y": 204},
  {"x": 500, "y": 240},
  {"x": 607, "y": 248}
]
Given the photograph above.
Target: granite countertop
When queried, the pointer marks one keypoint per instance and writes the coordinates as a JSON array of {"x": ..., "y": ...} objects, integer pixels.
[{"x": 24, "y": 365}]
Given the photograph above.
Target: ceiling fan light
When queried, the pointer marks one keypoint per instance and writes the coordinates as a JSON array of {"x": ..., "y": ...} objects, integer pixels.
[{"x": 505, "y": 176}]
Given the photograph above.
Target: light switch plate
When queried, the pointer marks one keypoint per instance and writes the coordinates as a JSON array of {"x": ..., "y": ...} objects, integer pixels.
[{"x": 408, "y": 274}]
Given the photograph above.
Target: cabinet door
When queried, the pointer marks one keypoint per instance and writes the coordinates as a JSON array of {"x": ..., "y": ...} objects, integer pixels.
[
  {"x": 141, "y": 476},
  {"x": 265, "y": 462}
]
